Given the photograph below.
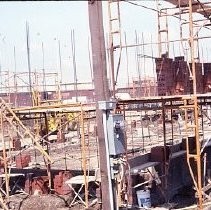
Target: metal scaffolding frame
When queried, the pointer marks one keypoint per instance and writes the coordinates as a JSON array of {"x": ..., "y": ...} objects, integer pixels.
[
  {"x": 191, "y": 101},
  {"x": 14, "y": 117},
  {"x": 189, "y": 7}
]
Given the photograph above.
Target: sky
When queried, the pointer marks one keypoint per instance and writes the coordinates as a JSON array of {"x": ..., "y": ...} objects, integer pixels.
[{"x": 50, "y": 22}]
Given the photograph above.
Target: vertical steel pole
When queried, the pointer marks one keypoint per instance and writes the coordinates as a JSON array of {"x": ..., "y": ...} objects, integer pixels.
[
  {"x": 74, "y": 64},
  {"x": 60, "y": 61},
  {"x": 43, "y": 69},
  {"x": 15, "y": 77},
  {"x": 101, "y": 89},
  {"x": 164, "y": 143},
  {"x": 159, "y": 28},
  {"x": 111, "y": 50},
  {"x": 29, "y": 62},
  {"x": 111, "y": 193},
  {"x": 84, "y": 156},
  {"x": 198, "y": 144},
  {"x": 127, "y": 63},
  {"x": 5, "y": 158}
]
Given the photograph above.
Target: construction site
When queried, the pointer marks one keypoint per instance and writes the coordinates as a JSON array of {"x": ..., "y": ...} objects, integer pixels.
[{"x": 99, "y": 145}]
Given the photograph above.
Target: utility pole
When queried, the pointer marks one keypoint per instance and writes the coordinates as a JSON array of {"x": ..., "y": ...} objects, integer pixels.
[{"x": 101, "y": 89}]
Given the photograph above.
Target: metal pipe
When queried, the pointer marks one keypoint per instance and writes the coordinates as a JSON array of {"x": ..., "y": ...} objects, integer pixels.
[
  {"x": 90, "y": 63},
  {"x": 5, "y": 158},
  {"x": 83, "y": 144},
  {"x": 15, "y": 79},
  {"x": 204, "y": 168},
  {"x": 198, "y": 144},
  {"x": 127, "y": 62},
  {"x": 137, "y": 67},
  {"x": 144, "y": 57},
  {"x": 74, "y": 64},
  {"x": 43, "y": 68},
  {"x": 164, "y": 142},
  {"x": 111, "y": 50},
  {"x": 172, "y": 125},
  {"x": 47, "y": 85},
  {"x": 163, "y": 42},
  {"x": 159, "y": 28},
  {"x": 29, "y": 61},
  {"x": 60, "y": 61},
  {"x": 111, "y": 197}
]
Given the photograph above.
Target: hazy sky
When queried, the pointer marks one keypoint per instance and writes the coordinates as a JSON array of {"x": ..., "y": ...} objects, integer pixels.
[{"x": 53, "y": 21}]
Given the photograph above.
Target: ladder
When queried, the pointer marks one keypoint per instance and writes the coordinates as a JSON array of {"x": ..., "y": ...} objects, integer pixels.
[
  {"x": 163, "y": 32},
  {"x": 190, "y": 103},
  {"x": 115, "y": 41},
  {"x": 8, "y": 116}
]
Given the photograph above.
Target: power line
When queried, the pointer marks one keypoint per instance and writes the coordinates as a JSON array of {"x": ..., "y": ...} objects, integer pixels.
[
  {"x": 205, "y": 13},
  {"x": 165, "y": 13}
]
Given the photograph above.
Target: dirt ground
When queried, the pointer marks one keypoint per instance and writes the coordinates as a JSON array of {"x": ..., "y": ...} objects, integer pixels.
[
  {"x": 44, "y": 202},
  {"x": 68, "y": 155}
]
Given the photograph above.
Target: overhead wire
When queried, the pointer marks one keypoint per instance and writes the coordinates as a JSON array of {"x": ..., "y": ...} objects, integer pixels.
[
  {"x": 205, "y": 12},
  {"x": 205, "y": 15},
  {"x": 155, "y": 10}
]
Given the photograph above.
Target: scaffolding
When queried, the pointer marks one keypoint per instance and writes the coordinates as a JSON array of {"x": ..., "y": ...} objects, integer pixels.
[
  {"x": 115, "y": 40},
  {"x": 13, "y": 125},
  {"x": 191, "y": 101},
  {"x": 14, "y": 84},
  {"x": 150, "y": 120}
]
